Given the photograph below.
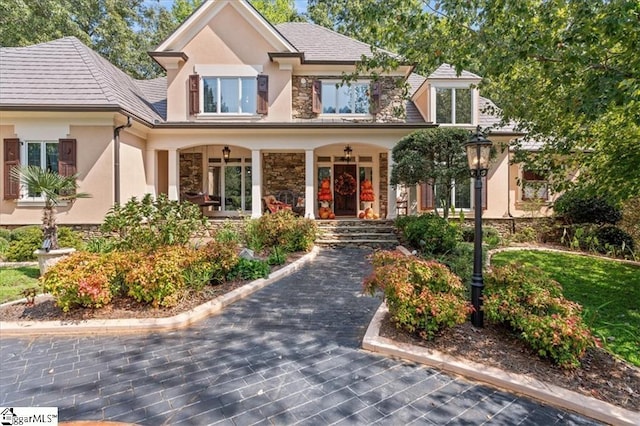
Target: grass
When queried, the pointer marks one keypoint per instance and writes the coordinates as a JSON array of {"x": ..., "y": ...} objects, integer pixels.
[
  {"x": 13, "y": 281},
  {"x": 608, "y": 291}
]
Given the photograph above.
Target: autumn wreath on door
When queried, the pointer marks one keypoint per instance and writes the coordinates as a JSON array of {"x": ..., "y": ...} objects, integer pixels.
[{"x": 345, "y": 184}]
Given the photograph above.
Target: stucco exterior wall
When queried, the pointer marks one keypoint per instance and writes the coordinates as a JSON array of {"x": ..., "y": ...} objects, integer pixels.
[
  {"x": 219, "y": 43},
  {"x": 132, "y": 167}
]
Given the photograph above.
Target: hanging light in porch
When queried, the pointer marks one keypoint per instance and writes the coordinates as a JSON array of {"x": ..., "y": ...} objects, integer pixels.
[
  {"x": 226, "y": 152},
  {"x": 347, "y": 153}
]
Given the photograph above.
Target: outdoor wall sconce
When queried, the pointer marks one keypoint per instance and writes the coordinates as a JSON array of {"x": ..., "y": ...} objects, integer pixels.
[
  {"x": 226, "y": 152},
  {"x": 478, "y": 154},
  {"x": 347, "y": 153}
]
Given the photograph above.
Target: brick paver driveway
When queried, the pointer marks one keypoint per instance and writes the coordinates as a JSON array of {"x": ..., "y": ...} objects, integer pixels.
[{"x": 289, "y": 354}]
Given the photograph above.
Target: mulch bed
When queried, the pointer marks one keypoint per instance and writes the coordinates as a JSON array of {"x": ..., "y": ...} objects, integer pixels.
[{"x": 601, "y": 375}]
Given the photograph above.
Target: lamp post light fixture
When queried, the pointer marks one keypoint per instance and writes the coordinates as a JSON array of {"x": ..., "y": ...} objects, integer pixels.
[
  {"x": 226, "y": 152},
  {"x": 347, "y": 153},
  {"x": 478, "y": 154}
]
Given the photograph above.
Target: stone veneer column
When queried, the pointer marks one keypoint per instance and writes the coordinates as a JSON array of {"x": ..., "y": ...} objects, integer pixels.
[
  {"x": 391, "y": 191},
  {"x": 151, "y": 172},
  {"x": 256, "y": 184},
  {"x": 172, "y": 173},
  {"x": 309, "y": 198}
]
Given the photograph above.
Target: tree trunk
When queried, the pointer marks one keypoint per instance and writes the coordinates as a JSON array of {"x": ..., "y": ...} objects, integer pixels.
[{"x": 49, "y": 226}]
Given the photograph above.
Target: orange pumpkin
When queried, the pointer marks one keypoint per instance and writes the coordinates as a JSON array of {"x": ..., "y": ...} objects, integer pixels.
[
  {"x": 361, "y": 215},
  {"x": 332, "y": 215}
]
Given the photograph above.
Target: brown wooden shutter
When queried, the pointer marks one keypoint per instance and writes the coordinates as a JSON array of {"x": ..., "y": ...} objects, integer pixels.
[
  {"x": 376, "y": 88},
  {"x": 317, "y": 97},
  {"x": 194, "y": 94},
  {"x": 67, "y": 157},
  {"x": 11, "y": 160},
  {"x": 263, "y": 94},
  {"x": 426, "y": 196}
]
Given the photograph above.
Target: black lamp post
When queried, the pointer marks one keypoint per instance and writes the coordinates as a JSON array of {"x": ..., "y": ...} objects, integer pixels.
[
  {"x": 347, "y": 153},
  {"x": 226, "y": 152},
  {"x": 478, "y": 154}
]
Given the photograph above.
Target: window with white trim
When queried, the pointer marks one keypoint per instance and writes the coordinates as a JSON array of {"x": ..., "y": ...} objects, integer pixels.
[
  {"x": 535, "y": 186},
  {"x": 229, "y": 95},
  {"x": 340, "y": 98},
  {"x": 42, "y": 154},
  {"x": 453, "y": 105},
  {"x": 461, "y": 194}
]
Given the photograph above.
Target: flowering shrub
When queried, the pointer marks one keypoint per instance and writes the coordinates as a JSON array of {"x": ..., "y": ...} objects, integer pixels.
[
  {"x": 530, "y": 302},
  {"x": 429, "y": 233},
  {"x": 287, "y": 230},
  {"x": 423, "y": 296},
  {"x": 82, "y": 279},
  {"x": 219, "y": 257}
]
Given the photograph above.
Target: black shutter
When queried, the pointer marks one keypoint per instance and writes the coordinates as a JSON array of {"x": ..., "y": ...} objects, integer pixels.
[
  {"x": 426, "y": 196},
  {"x": 11, "y": 160},
  {"x": 67, "y": 157}
]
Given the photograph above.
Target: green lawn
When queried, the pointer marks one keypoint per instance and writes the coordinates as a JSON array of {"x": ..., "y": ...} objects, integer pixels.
[
  {"x": 609, "y": 292},
  {"x": 14, "y": 280}
]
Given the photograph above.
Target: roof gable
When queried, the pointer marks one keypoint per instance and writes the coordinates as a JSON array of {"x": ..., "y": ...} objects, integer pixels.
[{"x": 207, "y": 11}]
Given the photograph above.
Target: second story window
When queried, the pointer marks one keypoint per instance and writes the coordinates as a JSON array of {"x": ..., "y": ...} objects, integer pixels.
[
  {"x": 337, "y": 98},
  {"x": 453, "y": 105},
  {"x": 229, "y": 95},
  {"x": 534, "y": 186}
]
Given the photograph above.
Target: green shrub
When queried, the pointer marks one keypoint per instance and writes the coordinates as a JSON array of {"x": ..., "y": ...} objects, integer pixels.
[
  {"x": 4, "y": 247},
  {"x": 82, "y": 279},
  {"x": 247, "y": 269},
  {"x": 630, "y": 222},
  {"x": 583, "y": 206},
  {"x": 157, "y": 278},
  {"x": 490, "y": 236},
  {"x": 67, "y": 237},
  {"x": 277, "y": 256},
  {"x": 530, "y": 302},
  {"x": 423, "y": 296},
  {"x": 221, "y": 257},
  {"x": 430, "y": 233},
  {"x": 228, "y": 233},
  {"x": 149, "y": 224},
  {"x": 460, "y": 261},
  {"x": 251, "y": 235},
  {"x": 283, "y": 229},
  {"x": 613, "y": 239},
  {"x": 24, "y": 241},
  {"x": 101, "y": 245},
  {"x": 5, "y": 234}
]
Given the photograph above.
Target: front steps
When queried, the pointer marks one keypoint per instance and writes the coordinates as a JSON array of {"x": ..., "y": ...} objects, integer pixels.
[{"x": 377, "y": 233}]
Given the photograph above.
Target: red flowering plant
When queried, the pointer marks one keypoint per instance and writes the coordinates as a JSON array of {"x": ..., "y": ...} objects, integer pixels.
[
  {"x": 529, "y": 301},
  {"x": 423, "y": 297}
]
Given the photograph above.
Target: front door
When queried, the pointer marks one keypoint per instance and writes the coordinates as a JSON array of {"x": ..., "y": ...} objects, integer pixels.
[{"x": 345, "y": 190}]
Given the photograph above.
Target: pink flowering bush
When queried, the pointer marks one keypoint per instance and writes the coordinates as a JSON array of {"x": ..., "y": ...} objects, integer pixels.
[
  {"x": 530, "y": 302},
  {"x": 423, "y": 296}
]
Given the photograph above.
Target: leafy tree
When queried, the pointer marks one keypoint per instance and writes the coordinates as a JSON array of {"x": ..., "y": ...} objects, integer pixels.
[
  {"x": 54, "y": 188},
  {"x": 435, "y": 156},
  {"x": 566, "y": 71},
  {"x": 278, "y": 11}
]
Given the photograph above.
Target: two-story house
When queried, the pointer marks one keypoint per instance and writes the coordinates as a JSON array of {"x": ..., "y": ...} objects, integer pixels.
[{"x": 246, "y": 109}]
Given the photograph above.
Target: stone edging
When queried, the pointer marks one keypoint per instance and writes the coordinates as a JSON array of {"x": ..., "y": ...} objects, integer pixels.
[
  {"x": 521, "y": 384},
  {"x": 139, "y": 325}
]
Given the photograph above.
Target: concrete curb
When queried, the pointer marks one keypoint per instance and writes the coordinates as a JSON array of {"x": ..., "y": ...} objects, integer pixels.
[
  {"x": 141, "y": 325},
  {"x": 524, "y": 385}
]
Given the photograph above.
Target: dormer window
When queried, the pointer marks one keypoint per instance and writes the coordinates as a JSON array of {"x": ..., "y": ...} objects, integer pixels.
[
  {"x": 229, "y": 95},
  {"x": 453, "y": 104}
]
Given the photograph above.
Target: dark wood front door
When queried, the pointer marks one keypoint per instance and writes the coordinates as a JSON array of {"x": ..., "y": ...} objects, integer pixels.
[{"x": 345, "y": 190}]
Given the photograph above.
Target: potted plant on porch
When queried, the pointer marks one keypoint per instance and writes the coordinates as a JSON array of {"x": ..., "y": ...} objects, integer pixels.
[{"x": 54, "y": 189}]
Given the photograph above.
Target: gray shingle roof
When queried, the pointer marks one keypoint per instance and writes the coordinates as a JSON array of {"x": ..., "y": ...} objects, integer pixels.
[
  {"x": 322, "y": 44},
  {"x": 447, "y": 71},
  {"x": 415, "y": 81},
  {"x": 65, "y": 72}
]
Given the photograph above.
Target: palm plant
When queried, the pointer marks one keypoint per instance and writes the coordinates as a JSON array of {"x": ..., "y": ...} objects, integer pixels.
[{"x": 54, "y": 188}]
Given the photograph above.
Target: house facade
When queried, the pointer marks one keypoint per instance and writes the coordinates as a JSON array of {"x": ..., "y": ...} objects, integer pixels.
[{"x": 246, "y": 109}]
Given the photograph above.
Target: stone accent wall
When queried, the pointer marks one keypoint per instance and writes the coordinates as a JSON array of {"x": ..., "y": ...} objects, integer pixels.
[
  {"x": 283, "y": 171},
  {"x": 384, "y": 184},
  {"x": 191, "y": 172},
  {"x": 391, "y": 100}
]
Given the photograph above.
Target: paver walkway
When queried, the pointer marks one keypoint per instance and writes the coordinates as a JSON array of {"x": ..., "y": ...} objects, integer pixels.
[{"x": 289, "y": 354}]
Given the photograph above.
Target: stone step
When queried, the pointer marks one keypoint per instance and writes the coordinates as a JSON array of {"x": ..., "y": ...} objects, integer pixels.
[
  {"x": 359, "y": 243},
  {"x": 358, "y": 236}
]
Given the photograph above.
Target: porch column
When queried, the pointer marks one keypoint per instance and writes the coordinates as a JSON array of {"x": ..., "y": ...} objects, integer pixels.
[
  {"x": 173, "y": 173},
  {"x": 309, "y": 193},
  {"x": 151, "y": 172},
  {"x": 256, "y": 184},
  {"x": 391, "y": 191}
]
